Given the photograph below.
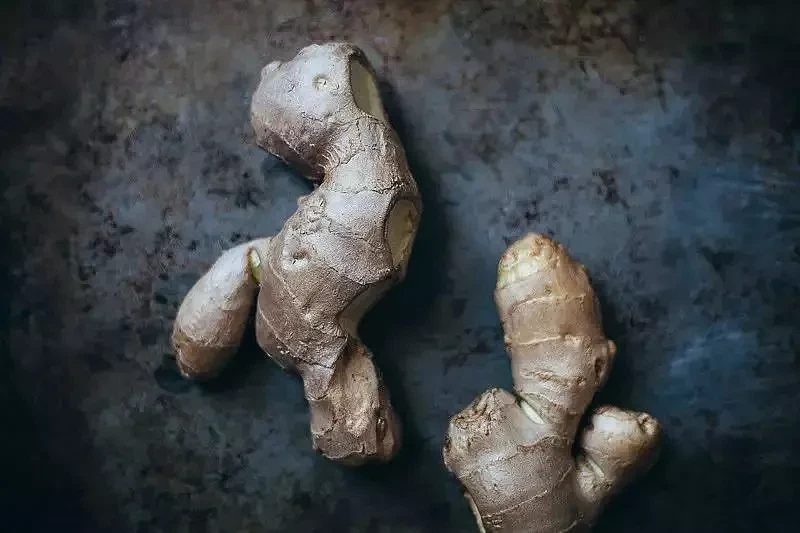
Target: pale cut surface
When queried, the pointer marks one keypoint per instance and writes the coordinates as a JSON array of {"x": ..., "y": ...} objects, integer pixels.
[
  {"x": 514, "y": 452},
  {"x": 348, "y": 243}
]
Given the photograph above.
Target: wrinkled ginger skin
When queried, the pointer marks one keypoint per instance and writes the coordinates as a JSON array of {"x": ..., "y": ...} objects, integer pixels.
[
  {"x": 347, "y": 244},
  {"x": 515, "y": 453}
]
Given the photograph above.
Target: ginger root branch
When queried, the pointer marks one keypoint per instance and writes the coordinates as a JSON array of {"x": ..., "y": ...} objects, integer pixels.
[
  {"x": 346, "y": 245},
  {"x": 513, "y": 453}
]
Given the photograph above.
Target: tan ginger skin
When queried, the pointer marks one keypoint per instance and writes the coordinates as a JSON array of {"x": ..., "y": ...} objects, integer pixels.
[
  {"x": 348, "y": 242},
  {"x": 515, "y": 453}
]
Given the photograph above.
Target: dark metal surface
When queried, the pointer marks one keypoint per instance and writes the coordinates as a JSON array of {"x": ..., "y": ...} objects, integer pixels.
[{"x": 658, "y": 140}]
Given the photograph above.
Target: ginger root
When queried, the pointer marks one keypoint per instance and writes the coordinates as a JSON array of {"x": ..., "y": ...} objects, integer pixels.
[
  {"x": 348, "y": 242},
  {"x": 514, "y": 453}
]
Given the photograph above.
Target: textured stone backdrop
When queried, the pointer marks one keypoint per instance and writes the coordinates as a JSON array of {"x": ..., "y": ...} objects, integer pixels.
[{"x": 659, "y": 140}]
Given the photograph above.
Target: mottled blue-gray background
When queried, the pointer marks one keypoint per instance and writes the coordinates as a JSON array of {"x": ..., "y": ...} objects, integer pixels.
[{"x": 659, "y": 140}]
